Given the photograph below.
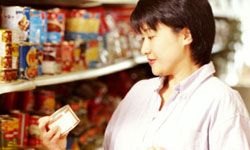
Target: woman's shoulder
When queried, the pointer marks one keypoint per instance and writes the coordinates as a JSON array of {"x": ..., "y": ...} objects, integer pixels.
[
  {"x": 217, "y": 87},
  {"x": 148, "y": 84},
  {"x": 222, "y": 96}
]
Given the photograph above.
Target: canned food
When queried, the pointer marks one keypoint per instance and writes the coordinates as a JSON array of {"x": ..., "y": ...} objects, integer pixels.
[
  {"x": 5, "y": 49},
  {"x": 6, "y": 62},
  {"x": 34, "y": 131},
  {"x": 5, "y": 36},
  {"x": 27, "y": 61},
  {"x": 40, "y": 58},
  {"x": 17, "y": 19},
  {"x": 67, "y": 56},
  {"x": 8, "y": 75},
  {"x": 15, "y": 55},
  {"x": 8, "y": 127},
  {"x": 79, "y": 56},
  {"x": 22, "y": 136},
  {"x": 46, "y": 102},
  {"x": 51, "y": 58}
]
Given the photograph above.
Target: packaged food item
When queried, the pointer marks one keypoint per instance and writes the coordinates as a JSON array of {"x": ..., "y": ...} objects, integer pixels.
[
  {"x": 5, "y": 49},
  {"x": 79, "y": 56},
  {"x": 65, "y": 119},
  {"x": 17, "y": 19},
  {"x": 15, "y": 55},
  {"x": 56, "y": 25},
  {"x": 92, "y": 53},
  {"x": 8, "y": 128},
  {"x": 34, "y": 131},
  {"x": 26, "y": 101},
  {"x": 38, "y": 26},
  {"x": 51, "y": 58},
  {"x": 82, "y": 24},
  {"x": 23, "y": 126},
  {"x": 67, "y": 56},
  {"x": 6, "y": 62},
  {"x": 39, "y": 48},
  {"x": 45, "y": 102},
  {"x": 28, "y": 61},
  {"x": 5, "y": 36},
  {"x": 8, "y": 75}
]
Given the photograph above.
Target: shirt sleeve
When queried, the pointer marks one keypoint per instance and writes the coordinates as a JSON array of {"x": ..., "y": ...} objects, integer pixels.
[{"x": 231, "y": 130}]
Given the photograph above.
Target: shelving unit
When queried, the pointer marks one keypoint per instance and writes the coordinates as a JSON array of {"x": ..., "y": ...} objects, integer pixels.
[{"x": 72, "y": 76}]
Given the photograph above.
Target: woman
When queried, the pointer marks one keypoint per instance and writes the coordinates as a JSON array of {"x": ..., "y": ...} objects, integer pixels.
[{"x": 185, "y": 107}]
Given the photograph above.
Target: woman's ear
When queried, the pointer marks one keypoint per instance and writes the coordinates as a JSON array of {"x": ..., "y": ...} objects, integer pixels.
[{"x": 187, "y": 36}]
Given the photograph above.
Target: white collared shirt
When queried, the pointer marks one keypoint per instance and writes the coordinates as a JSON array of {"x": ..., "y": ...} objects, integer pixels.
[{"x": 202, "y": 113}]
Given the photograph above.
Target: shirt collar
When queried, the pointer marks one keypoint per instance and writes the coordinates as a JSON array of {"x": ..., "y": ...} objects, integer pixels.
[{"x": 189, "y": 84}]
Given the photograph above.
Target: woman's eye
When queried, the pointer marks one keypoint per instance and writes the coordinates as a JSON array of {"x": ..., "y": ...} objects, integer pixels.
[
  {"x": 150, "y": 37},
  {"x": 142, "y": 39}
]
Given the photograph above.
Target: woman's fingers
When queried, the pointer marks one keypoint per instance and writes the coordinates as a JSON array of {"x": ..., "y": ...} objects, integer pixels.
[
  {"x": 51, "y": 133},
  {"x": 56, "y": 135},
  {"x": 43, "y": 122}
]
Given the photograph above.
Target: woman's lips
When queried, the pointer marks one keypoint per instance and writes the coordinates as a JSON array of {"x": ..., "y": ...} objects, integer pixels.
[{"x": 151, "y": 61}]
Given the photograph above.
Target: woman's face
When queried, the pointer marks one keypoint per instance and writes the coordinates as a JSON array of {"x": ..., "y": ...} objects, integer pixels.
[{"x": 164, "y": 49}]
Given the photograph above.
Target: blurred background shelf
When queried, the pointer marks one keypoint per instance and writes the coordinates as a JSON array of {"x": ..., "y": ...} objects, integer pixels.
[{"x": 66, "y": 3}]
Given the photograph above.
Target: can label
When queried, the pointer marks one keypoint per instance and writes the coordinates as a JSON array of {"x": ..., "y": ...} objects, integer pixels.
[
  {"x": 5, "y": 49},
  {"x": 8, "y": 75},
  {"x": 23, "y": 126},
  {"x": 28, "y": 61},
  {"x": 6, "y": 62},
  {"x": 67, "y": 56},
  {"x": 50, "y": 63},
  {"x": 46, "y": 102},
  {"x": 40, "y": 58},
  {"x": 15, "y": 55},
  {"x": 5, "y": 36},
  {"x": 34, "y": 131}
]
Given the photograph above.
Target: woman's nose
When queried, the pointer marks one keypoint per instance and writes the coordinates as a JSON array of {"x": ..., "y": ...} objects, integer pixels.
[{"x": 145, "y": 49}]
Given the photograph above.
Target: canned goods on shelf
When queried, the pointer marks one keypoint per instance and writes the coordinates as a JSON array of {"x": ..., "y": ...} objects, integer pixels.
[
  {"x": 5, "y": 36},
  {"x": 51, "y": 58},
  {"x": 5, "y": 49},
  {"x": 8, "y": 75}
]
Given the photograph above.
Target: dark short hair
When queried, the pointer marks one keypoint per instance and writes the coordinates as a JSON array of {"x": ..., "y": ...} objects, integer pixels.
[{"x": 196, "y": 15}]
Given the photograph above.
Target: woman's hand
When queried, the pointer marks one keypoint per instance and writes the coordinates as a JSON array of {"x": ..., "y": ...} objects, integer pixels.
[{"x": 52, "y": 138}]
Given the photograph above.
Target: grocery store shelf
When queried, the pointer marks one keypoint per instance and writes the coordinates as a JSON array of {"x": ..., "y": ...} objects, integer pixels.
[
  {"x": 16, "y": 86},
  {"x": 81, "y": 75},
  {"x": 72, "y": 76}
]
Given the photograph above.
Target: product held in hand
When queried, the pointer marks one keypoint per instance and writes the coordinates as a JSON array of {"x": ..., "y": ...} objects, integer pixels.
[{"x": 65, "y": 119}]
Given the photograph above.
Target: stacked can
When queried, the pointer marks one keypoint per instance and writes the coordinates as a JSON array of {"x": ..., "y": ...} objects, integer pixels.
[
  {"x": 34, "y": 131},
  {"x": 23, "y": 126},
  {"x": 8, "y": 132},
  {"x": 51, "y": 58},
  {"x": 8, "y": 57},
  {"x": 67, "y": 56}
]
